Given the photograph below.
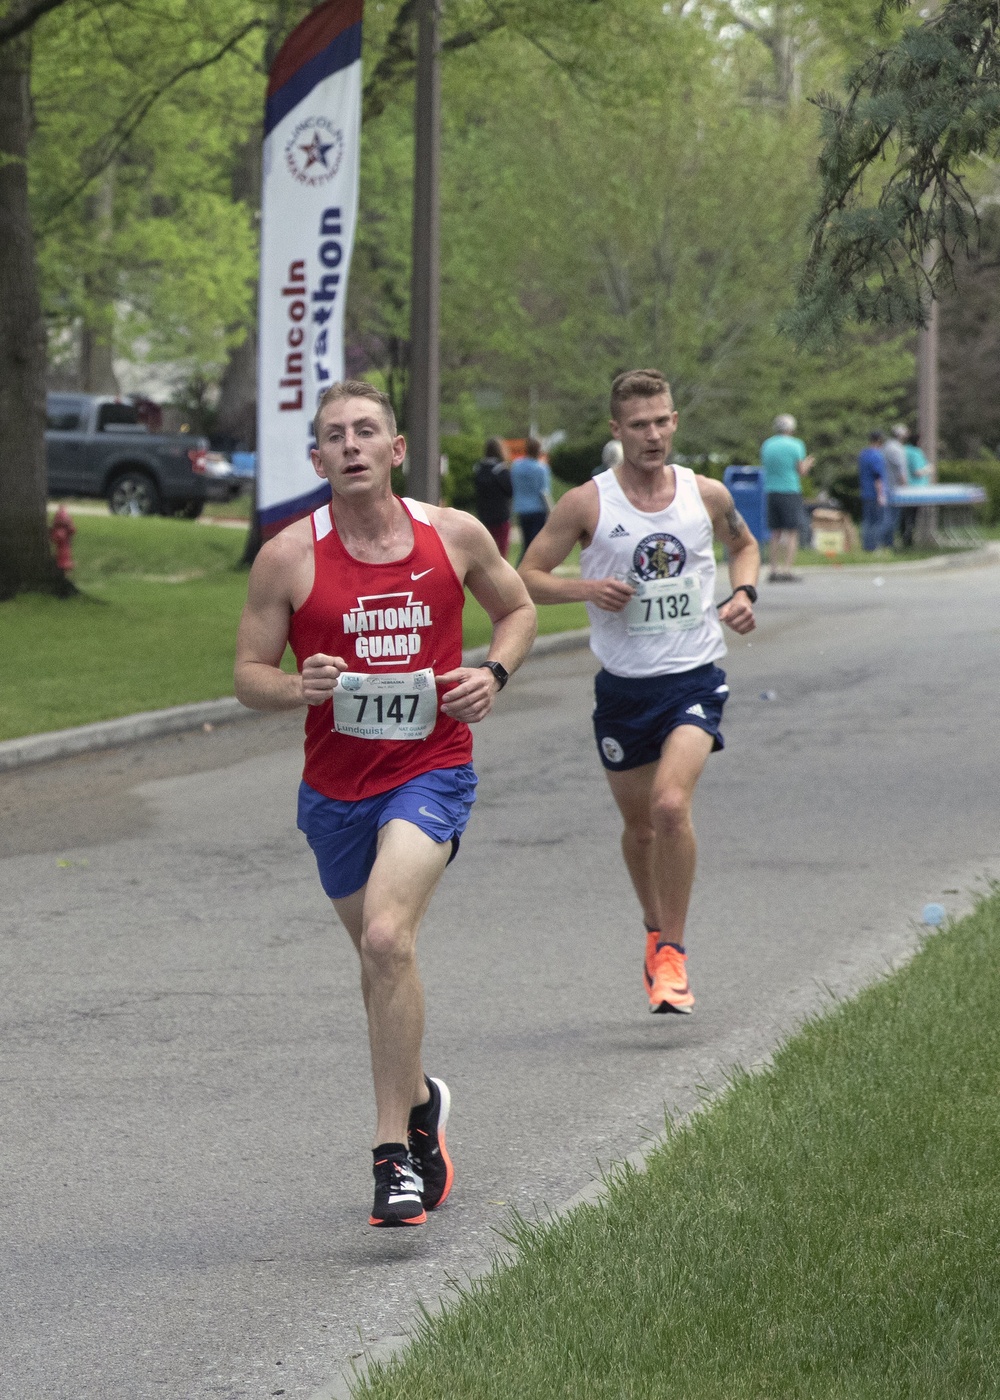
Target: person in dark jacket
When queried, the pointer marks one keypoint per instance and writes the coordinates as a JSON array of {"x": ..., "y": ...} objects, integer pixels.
[{"x": 491, "y": 478}]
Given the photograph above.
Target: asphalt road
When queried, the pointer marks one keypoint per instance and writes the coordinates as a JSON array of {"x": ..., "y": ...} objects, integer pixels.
[{"x": 184, "y": 1168}]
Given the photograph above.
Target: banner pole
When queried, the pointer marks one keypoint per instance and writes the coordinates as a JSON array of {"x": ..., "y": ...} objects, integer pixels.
[{"x": 424, "y": 474}]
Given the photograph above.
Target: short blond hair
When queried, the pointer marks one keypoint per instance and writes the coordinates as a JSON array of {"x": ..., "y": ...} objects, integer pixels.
[
  {"x": 638, "y": 384},
  {"x": 356, "y": 389}
]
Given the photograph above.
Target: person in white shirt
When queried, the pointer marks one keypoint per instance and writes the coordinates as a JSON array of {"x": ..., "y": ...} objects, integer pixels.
[{"x": 647, "y": 575}]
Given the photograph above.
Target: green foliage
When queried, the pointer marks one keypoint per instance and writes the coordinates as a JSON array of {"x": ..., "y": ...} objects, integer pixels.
[
  {"x": 981, "y": 471},
  {"x": 463, "y": 451},
  {"x": 576, "y": 462},
  {"x": 918, "y": 115},
  {"x": 140, "y": 239},
  {"x": 587, "y": 224}
]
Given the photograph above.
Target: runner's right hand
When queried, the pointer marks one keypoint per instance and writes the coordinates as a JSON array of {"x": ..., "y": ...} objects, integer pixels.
[
  {"x": 610, "y": 594},
  {"x": 319, "y": 676}
]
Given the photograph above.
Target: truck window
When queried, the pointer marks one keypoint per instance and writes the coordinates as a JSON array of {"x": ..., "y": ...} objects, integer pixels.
[
  {"x": 62, "y": 416},
  {"x": 111, "y": 413}
]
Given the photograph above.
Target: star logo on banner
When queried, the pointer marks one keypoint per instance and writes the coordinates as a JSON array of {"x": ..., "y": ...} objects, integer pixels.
[{"x": 315, "y": 151}]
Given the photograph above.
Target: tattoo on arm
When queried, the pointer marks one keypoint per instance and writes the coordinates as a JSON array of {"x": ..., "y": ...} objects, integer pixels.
[{"x": 735, "y": 524}]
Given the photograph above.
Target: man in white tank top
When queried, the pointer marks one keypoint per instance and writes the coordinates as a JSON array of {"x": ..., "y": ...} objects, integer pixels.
[{"x": 647, "y": 575}]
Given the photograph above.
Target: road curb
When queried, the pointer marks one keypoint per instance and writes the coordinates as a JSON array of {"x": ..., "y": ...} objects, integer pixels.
[
  {"x": 153, "y": 724},
  {"x": 976, "y": 558}
]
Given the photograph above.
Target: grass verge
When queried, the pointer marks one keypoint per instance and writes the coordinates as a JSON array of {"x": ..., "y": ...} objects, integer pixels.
[
  {"x": 827, "y": 1230},
  {"x": 156, "y": 626}
]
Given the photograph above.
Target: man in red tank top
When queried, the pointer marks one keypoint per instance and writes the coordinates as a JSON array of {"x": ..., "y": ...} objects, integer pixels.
[{"x": 369, "y": 591}]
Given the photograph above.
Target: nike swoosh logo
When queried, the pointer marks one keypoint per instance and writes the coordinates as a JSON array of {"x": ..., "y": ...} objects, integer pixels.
[
  {"x": 414, "y": 577},
  {"x": 424, "y": 813}
]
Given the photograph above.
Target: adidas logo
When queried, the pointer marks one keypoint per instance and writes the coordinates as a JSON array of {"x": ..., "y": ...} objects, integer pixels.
[
  {"x": 695, "y": 710},
  {"x": 618, "y": 533}
]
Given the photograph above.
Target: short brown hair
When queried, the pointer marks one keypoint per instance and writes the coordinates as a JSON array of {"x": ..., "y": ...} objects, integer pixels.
[
  {"x": 356, "y": 389},
  {"x": 637, "y": 384}
]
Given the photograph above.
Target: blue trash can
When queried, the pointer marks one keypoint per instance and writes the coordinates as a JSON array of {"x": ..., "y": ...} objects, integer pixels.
[{"x": 746, "y": 485}]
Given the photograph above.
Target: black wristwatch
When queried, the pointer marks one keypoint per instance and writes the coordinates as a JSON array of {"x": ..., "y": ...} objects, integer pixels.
[
  {"x": 500, "y": 673},
  {"x": 746, "y": 588}
]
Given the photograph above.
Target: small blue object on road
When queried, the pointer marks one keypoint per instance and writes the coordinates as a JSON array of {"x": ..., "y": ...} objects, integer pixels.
[{"x": 934, "y": 915}]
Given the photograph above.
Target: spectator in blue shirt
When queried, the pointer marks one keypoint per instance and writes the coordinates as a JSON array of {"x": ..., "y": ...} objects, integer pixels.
[
  {"x": 873, "y": 473},
  {"x": 532, "y": 491}
]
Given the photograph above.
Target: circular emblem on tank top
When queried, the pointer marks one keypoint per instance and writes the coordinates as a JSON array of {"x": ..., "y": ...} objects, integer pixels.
[
  {"x": 659, "y": 556},
  {"x": 612, "y": 750}
]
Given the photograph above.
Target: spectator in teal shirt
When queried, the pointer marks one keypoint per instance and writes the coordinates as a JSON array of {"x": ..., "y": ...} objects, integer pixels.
[
  {"x": 918, "y": 473},
  {"x": 785, "y": 462}
]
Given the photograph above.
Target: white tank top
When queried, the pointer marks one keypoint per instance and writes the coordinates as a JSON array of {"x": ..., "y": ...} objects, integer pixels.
[{"x": 672, "y": 624}]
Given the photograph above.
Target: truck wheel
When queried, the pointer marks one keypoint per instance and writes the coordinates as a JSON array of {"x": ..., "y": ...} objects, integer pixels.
[
  {"x": 133, "y": 493},
  {"x": 190, "y": 510}
]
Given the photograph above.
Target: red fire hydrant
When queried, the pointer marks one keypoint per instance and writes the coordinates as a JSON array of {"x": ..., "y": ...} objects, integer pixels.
[{"x": 61, "y": 533}]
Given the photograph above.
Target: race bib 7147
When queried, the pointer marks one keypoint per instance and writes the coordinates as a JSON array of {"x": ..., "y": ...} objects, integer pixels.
[{"x": 400, "y": 705}]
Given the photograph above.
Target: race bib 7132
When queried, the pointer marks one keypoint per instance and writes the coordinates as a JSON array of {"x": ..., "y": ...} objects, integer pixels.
[{"x": 664, "y": 605}]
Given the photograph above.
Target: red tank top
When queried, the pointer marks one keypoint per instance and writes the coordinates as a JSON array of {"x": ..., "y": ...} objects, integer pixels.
[{"x": 380, "y": 618}]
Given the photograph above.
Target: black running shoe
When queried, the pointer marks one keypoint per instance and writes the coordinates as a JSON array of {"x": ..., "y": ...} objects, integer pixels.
[
  {"x": 428, "y": 1153},
  {"x": 397, "y": 1192}
]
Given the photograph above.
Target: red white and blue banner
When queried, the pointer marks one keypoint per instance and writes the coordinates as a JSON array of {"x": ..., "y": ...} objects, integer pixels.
[{"x": 312, "y": 138}]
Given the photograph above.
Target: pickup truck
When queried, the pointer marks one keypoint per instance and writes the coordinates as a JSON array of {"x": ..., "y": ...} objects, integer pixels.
[{"x": 96, "y": 446}]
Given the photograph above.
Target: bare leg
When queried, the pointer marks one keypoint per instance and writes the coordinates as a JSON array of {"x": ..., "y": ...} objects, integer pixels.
[
  {"x": 782, "y": 548},
  {"x": 658, "y": 842},
  {"x": 382, "y": 920}
]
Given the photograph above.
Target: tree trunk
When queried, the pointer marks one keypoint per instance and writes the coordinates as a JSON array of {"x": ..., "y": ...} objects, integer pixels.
[
  {"x": 26, "y": 562},
  {"x": 97, "y": 369}
]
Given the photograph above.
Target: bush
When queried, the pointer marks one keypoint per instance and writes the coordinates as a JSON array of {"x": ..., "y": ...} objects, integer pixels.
[
  {"x": 981, "y": 471},
  {"x": 577, "y": 462},
  {"x": 463, "y": 451}
]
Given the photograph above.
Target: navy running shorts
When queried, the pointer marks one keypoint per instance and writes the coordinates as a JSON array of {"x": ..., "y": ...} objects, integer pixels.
[
  {"x": 344, "y": 835},
  {"x": 634, "y": 715}
]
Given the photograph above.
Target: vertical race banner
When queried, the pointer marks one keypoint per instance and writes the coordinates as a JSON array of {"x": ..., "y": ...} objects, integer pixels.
[{"x": 312, "y": 136}]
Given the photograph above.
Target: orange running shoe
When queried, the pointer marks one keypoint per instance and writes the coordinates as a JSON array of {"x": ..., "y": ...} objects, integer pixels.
[
  {"x": 652, "y": 938},
  {"x": 670, "y": 990}
]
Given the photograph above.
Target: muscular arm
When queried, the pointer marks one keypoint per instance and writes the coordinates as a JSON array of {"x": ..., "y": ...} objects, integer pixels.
[
  {"x": 744, "y": 555},
  {"x": 263, "y": 635},
  {"x": 573, "y": 519},
  {"x": 497, "y": 588}
]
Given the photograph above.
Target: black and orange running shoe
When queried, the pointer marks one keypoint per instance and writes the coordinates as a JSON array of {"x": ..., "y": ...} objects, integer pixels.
[
  {"x": 397, "y": 1190},
  {"x": 670, "y": 990},
  {"x": 428, "y": 1152},
  {"x": 652, "y": 938}
]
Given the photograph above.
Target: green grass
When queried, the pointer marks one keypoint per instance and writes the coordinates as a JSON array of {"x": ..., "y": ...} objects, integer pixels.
[
  {"x": 156, "y": 627},
  {"x": 829, "y": 1229}
]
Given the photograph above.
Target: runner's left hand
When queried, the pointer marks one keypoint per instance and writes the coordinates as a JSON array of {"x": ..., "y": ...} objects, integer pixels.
[
  {"x": 472, "y": 697},
  {"x": 738, "y": 614}
]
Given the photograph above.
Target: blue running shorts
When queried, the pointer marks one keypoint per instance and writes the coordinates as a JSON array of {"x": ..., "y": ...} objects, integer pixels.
[
  {"x": 634, "y": 715},
  {"x": 344, "y": 835}
]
